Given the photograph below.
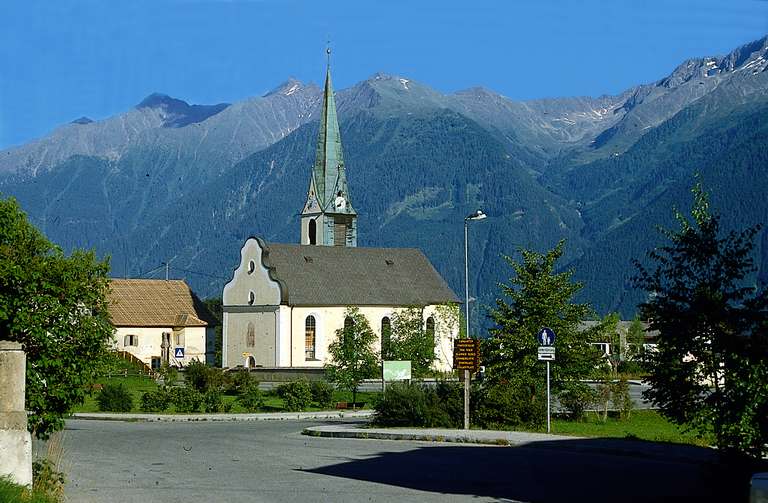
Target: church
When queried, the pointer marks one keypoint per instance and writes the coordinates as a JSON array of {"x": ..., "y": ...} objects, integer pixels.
[{"x": 285, "y": 302}]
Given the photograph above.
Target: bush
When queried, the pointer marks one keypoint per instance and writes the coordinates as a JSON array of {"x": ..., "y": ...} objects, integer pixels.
[
  {"x": 186, "y": 399},
  {"x": 155, "y": 401},
  {"x": 322, "y": 394},
  {"x": 510, "y": 404},
  {"x": 576, "y": 398},
  {"x": 47, "y": 480},
  {"x": 240, "y": 380},
  {"x": 631, "y": 367},
  {"x": 11, "y": 492},
  {"x": 169, "y": 375},
  {"x": 296, "y": 395},
  {"x": 213, "y": 401},
  {"x": 450, "y": 397},
  {"x": 410, "y": 404},
  {"x": 115, "y": 397},
  {"x": 621, "y": 399},
  {"x": 251, "y": 398}
]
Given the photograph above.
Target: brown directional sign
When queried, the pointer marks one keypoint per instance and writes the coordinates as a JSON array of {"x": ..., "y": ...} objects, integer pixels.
[{"x": 466, "y": 354}]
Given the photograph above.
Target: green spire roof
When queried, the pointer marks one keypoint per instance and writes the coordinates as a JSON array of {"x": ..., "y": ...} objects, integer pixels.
[{"x": 328, "y": 172}]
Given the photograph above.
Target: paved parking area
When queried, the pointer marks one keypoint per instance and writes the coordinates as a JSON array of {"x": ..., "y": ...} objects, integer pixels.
[{"x": 111, "y": 461}]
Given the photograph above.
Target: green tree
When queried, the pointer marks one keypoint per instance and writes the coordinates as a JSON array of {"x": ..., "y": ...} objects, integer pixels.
[
  {"x": 352, "y": 355},
  {"x": 636, "y": 339},
  {"x": 538, "y": 297},
  {"x": 410, "y": 340},
  {"x": 709, "y": 370},
  {"x": 214, "y": 306},
  {"x": 56, "y": 307}
]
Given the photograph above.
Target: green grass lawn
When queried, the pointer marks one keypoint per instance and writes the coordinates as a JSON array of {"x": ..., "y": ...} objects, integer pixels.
[
  {"x": 272, "y": 403},
  {"x": 643, "y": 425}
]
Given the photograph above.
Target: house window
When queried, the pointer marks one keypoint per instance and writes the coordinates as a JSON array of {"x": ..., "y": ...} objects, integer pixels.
[
  {"x": 178, "y": 338},
  {"x": 131, "y": 340},
  {"x": 386, "y": 336},
  {"x": 430, "y": 330},
  {"x": 310, "y": 333},
  {"x": 312, "y": 232},
  {"x": 250, "y": 335}
]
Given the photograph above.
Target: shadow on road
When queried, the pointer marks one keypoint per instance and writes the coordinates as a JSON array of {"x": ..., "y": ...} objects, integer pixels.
[{"x": 553, "y": 472}]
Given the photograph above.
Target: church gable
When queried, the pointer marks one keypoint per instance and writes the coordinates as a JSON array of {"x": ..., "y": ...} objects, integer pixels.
[{"x": 253, "y": 284}]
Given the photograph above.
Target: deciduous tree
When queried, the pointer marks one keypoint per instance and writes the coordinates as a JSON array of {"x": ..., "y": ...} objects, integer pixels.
[
  {"x": 352, "y": 355},
  {"x": 710, "y": 368},
  {"x": 55, "y": 305}
]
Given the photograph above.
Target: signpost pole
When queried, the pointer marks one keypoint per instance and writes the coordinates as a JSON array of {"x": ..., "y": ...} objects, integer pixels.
[
  {"x": 549, "y": 428},
  {"x": 466, "y": 399}
]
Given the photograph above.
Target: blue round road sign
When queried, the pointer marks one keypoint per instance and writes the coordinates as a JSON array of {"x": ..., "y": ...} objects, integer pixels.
[{"x": 546, "y": 337}]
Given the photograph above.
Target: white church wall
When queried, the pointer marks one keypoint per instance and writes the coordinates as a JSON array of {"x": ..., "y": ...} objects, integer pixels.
[
  {"x": 331, "y": 318},
  {"x": 251, "y": 284}
]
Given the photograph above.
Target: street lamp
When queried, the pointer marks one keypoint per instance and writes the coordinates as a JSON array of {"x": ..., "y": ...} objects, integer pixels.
[{"x": 478, "y": 215}]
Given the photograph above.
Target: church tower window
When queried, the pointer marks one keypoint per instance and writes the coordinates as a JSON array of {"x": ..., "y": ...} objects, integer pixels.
[{"x": 313, "y": 231}]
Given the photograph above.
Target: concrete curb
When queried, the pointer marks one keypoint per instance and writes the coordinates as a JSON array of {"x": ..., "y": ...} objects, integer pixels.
[
  {"x": 265, "y": 416},
  {"x": 617, "y": 447}
]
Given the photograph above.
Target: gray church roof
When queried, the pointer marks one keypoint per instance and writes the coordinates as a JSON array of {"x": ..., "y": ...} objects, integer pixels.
[{"x": 341, "y": 276}]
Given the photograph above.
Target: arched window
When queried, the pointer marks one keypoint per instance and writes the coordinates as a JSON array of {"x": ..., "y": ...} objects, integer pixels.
[
  {"x": 131, "y": 340},
  {"x": 250, "y": 335},
  {"x": 251, "y": 298},
  {"x": 430, "y": 330},
  {"x": 312, "y": 232},
  {"x": 310, "y": 333},
  {"x": 250, "y": 362},
  {"x": 386, "y": 336}
]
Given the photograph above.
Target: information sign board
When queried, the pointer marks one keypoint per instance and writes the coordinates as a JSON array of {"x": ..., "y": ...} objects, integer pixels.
[
  {"x": 546, "y": 353},
  {"x": 396, "y": 370},
  {"x": 178, "y": 353},
  {"x": 466, "y": 354}
]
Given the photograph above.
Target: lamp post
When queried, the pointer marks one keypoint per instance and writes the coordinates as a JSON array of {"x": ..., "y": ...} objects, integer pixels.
[{"x": 478, "y": 215}]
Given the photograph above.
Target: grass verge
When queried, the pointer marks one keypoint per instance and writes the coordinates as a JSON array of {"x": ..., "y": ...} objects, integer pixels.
[{"x": 643, "y": 425}]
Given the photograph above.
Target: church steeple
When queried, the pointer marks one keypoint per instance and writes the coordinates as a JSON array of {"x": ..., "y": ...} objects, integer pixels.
[{"x": 328, "y": 217}]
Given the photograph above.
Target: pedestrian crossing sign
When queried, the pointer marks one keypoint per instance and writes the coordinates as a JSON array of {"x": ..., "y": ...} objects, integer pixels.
[{"x": 178, "y": 353}]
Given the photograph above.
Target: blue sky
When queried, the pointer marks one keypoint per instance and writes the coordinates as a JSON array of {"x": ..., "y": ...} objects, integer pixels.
[{"x": 65, "y": 59}]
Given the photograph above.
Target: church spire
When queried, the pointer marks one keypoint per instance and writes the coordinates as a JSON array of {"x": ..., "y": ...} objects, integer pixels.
[{"x": 328, "y": 195}]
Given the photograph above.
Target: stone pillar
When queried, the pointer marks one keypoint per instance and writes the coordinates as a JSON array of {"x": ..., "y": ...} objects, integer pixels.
[{"x": 15, "y": 440}]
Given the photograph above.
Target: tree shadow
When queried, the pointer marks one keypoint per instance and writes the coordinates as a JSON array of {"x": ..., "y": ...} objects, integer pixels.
[{"x": 555, "y": 471}]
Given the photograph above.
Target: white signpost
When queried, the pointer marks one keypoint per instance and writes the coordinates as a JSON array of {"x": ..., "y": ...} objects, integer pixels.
[{"x": 546, "y": 340}]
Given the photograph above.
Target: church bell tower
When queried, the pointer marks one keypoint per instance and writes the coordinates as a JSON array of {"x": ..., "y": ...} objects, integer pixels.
[{"x": 328, "y": 218}]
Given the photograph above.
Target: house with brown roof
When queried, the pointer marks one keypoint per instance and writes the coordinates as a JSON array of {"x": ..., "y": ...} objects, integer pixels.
[
  {"x": 160, "y": 321},
  {"x": 285, "y": 302}
]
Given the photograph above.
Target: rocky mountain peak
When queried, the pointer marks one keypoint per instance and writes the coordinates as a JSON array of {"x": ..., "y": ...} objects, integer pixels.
[
  {"x": 179, "y": 113},
  {"x": 289, "y": 87}
]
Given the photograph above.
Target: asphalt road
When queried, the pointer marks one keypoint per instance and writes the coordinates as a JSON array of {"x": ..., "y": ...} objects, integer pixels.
[{"x": 272, "y": 462}]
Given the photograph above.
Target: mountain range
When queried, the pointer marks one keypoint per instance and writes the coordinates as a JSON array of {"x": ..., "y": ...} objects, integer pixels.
[{"x": 172, "y": 182}]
